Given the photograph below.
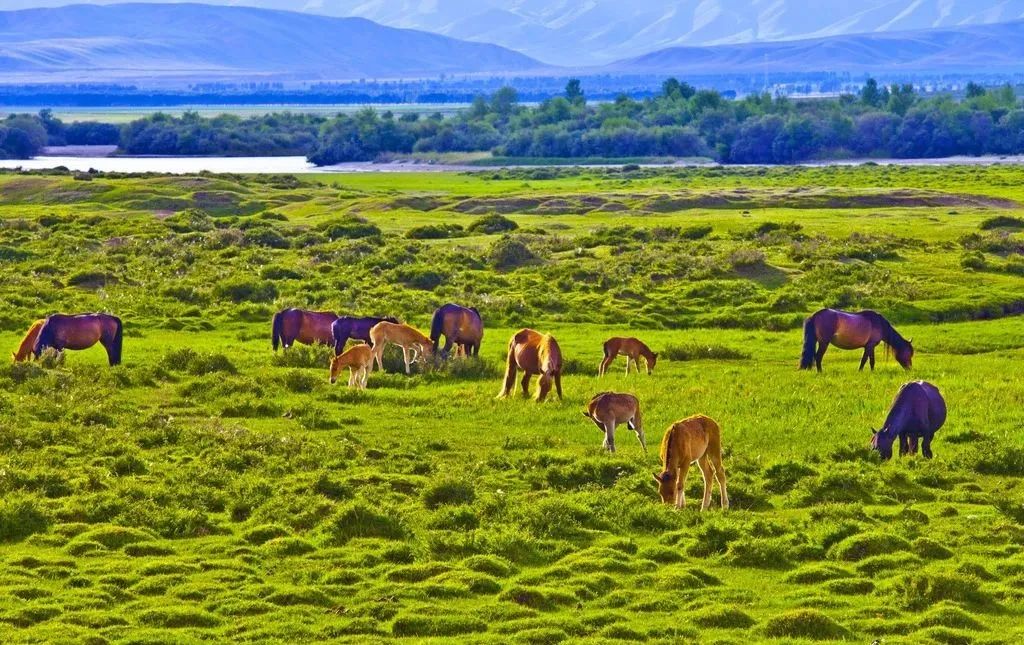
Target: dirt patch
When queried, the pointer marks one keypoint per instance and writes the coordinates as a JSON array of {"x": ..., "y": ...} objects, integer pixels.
[
  {"x": 478, "y": 206},
  {"x": 418, "y": 203}
]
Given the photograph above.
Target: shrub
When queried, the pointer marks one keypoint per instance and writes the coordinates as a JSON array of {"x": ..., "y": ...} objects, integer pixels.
[
  {"x": 361, "y": 520},
  {"x": 921, "y": 590},
  {"x": 782, "y": 477},
  {"x": 1001, "y": 221},
  {"x": 492, "y": 224},
  {"x": 300, "y": 382},
  {"x": 435, "y": 232},
  {"x": 350, "y": 227},
  {"x": 702, "y": 351},
  {"x": 240, "y": 289},
  {"x": 188, "y": 360},
  {"x": 804, "y": 623},
  {"x": 304, "y": 356},
  {"x": 510, "y": 253}
]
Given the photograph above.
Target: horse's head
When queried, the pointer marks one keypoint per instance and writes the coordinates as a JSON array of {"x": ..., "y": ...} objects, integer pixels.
[
  {"x": 651, "y": 360},
  {"x": 335, "y": 369},
  {"x": 666, "y": 486},
  {"x": 881, "y": 441},
  {"x": 905, "y": 355}
]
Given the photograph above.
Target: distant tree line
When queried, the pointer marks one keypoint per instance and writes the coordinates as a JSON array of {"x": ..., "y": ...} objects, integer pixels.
[
  {"x": 677, "y": 121},
  {"x": 682, "y": 121}
]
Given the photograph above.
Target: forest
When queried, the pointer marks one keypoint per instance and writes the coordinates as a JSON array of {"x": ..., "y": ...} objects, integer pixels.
[{"x": 680, "y": 121}]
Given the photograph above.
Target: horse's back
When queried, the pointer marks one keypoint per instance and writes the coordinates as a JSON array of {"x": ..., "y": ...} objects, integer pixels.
[{"x": 688, "y": 439}]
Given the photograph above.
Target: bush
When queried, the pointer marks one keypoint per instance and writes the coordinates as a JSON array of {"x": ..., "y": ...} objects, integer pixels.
[
  {"x": 20, "y": 517},
  {"x": 702, "y": 351},
  {"x": 435, "y": 232},
  {"x": 510, "y": 253},
  {"x": 492, "y": 224},
  {"x": 191, "y": 361},
  {"x": 305, "y": 356},
  {"x": 350, "y": 227},
  {"x": 1001, "y": 221},
  {"x": 241, "y": 289}
]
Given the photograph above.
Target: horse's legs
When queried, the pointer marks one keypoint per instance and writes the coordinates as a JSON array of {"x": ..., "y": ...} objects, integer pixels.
[
  {"x": 405, "y": 357},
  {"x": 605, "y": 362},
  {"x": 706, "y": 469},
  {"x": 912, "y": 444},
  {"x": 822, "y": 348},
  {"x": 543, "y": 387},
  {"x": 558, "y": 384},
  {"x": 716, "y": 461},
  {"x": 904, "y": 444},
  {"x": 627, "y": 365},
  {"x": 864, "y": 359},
  {"x": 926, "y": 446},
  {"x": 681, "y": 486},
  {"x": 526, "y": 384},
  {"x": 378, "y": 357},
  {"x": 447, "y": 347},
  {"x": 351, "y": 375},
  {"x": 871, "y": 356},
  {"x": 609, "y": 436},
  {"x": 639, "y": 433}
]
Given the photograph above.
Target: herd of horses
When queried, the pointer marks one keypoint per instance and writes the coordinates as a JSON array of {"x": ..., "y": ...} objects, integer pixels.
[{"x": 917, "y": 412}]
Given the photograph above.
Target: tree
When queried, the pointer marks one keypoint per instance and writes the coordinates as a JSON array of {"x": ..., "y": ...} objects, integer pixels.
[
  {"x": 974, "y": 90},
  {"x": 872, "y": 96},
  {"x": 574, "y": 92},
  {"x": 901, "y": 98},
  {"x": 504, "y": 101}
]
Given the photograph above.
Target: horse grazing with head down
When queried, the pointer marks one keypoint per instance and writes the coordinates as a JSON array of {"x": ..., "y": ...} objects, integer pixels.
[
  {"x": 406, "y": 337},
  {"x": 534, "y": 353},
  {"x": 917, "y": 412},
  {"x": 852, "y": 331},
  {"x": 459, "y": 325},
  {"x": 359, "y": 361},
  {"x": 694, "y": 439},
  {"x": 609, "y": 409},
  {"x": 306, "y": 327},
  {"x": 81, "y": 331},
  {"x": 632, "y": 348},
  {"x": 355, "y": 328},
  {"x": 28, "y": 342}
]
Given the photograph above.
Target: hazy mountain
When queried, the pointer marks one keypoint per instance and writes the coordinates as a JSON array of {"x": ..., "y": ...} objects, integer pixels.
[
  {"x": 193, "y": 41},
  {"x": 992, "y": 48},
  {"x": 588, "y": 32}
]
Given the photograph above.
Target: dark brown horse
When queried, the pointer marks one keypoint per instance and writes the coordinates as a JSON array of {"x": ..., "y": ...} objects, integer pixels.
[
  {"x": 852, "y": 331},
  {"x": 916, "y": 413},
  {"x": 81, "y": 331},
  {"x": 307, "y": 327},
  {"x": 534, "y": 353},
  {"x": 459, "y": 325}
]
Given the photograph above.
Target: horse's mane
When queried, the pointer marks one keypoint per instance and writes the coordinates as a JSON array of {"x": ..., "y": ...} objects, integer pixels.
[{"x": 666, "y": 447}]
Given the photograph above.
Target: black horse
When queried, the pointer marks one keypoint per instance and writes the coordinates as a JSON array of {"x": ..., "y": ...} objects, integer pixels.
[
  {"x": 356, "y": 328},
  {"x": 916, "y": 413}
]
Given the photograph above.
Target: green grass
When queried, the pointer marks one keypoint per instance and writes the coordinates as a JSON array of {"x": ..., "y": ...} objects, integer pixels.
[{"x": 208, "y": 490}]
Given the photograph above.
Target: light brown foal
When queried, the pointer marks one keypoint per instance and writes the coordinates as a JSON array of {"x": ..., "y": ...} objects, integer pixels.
[
  {"x": 633, "y": 348},
  {"x": 694, "y": 439},
  {"x": 610, "y": 409}
]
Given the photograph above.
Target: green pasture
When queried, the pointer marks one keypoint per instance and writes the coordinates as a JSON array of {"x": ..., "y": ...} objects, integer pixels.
[{"x": 210, "y": 490}]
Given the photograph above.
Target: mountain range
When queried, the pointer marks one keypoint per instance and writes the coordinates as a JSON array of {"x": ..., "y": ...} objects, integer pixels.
[
  {"x": 597, "y": 32},
  {"x": 197, "y": 41}
]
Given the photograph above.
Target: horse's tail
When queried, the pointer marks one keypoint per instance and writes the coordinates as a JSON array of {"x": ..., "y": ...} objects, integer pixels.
[
  {"x": 117, "y": 342},
  {"x": 437, "y": 327},
  {"x": 510, "y": 369},
  {"x": 278, "y": 329},
  {"x": 810, "y": 339}
]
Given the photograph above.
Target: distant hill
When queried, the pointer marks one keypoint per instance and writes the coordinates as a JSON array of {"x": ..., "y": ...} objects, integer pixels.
[
  {"x": 992, "y": 48},
  {"x": 594, "y": 32},
  {"x": 196, "y": 42}
]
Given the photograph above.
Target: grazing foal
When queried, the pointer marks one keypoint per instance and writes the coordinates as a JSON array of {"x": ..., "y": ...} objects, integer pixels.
[
  {"x": 694, "y": 439},
  {"x": 359, "y": 360},
  {"x": 406, "y": 337},
  {"x": 609, "y": 409},
  {"x": 632, "y": 348},
  {"x": 24, "y": 352}
]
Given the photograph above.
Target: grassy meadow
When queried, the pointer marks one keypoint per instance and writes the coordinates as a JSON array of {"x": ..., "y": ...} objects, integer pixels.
[{"x": 208, "y": 490}]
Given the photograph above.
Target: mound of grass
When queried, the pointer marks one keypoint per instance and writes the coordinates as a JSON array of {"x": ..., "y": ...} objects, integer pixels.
[
  {"x": 361, "y": 520},
  {"x": 920, "y": 590},
  {"x": 1001, "y": 221},
  {"x": 810, "y": 574},
  {"x": 726, "y": 617},
  {"x": 540, "y": 598},
  {"x": 804, "y": 623},
  {"x": 758, "y": 553},
  {"x": 489, "y": 564},
  {"x": 188, "y": 360},
  {"x": 930, "y": 549},
  {"x": 114, "y": 537},
  {"x": 178, "y": 618},
  {"x": 20, "y": 517},
  {"x": 492, "y": 225},
  {"x": 441, "y": 626},
  {"x": 451, "y": 492},
  {"x": 702, "y": 351},
  {"x": 952, "y": 617},
  {"x": 864, "y": 545},
  {"x": 305, "y": 356},
  {"x": 783, "y": 476}
]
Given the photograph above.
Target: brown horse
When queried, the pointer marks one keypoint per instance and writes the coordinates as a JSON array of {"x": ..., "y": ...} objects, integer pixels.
[
  {"x": 28, "y": 342},
  {"x": 694, "y": 439},
  {"x": 852, "y": 331},
  {"x": 307, "y": 327},
  {"x": 459, "y": 325},
  {"x": 359, "y": 361},
  {"x": 408, "y": 338},
  {"x": 609, "y": 409},
  {"x": 81, "y": 332},
  {"x": 534, "y": 353},
  {"x": 632, "y": 348}
]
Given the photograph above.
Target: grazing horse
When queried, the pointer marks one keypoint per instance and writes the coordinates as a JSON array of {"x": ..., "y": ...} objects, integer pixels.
[
  {"x": 851, "y": 331},
  {"x": 406, "y": 337},
  {"x": 359, "y": 361},
  {"x": 694, "y": 439},
  {"x": 81, "y": 331},
  {"x": 534, "y": 353},
  {"x": 459, "y": 325},
  {"x": 307, "y": 327},
  {"x": 916, "y": 413},
  {"x": 632, "y": 348},
  {"x": 28, "y": 342},
  {"x": 609, "y": 409},
  {"x": 347, "y": 327}
]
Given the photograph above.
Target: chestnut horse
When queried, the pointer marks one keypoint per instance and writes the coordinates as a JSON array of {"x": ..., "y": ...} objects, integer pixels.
[
  {"x": 916, "y": 413},
  {"x": 852, "y": 331},
  {"x": 359, "y": 361},
  {"x": 307, "y": 327},
  {"x": 534, "y": 353},
  {"x": 81, "y": 331},
  {"x": 28, "y": 342},
  {"x": 406, "y": 337},
  {"x": 609, "y": 409},
  {"x": 459, "y": 325},
  {"x": 632, "y": 348},
  {"x": 355, "y": 328},
  {"x": 694, "y": 439}
]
